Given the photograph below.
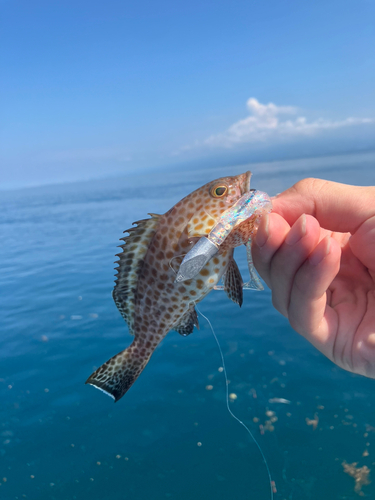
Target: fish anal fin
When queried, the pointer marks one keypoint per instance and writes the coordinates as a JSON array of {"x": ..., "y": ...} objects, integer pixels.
[
  {"x": 117, "y": 375},
  {"x": 233, "y": 283},
  {"x": 186, "y": 324}
]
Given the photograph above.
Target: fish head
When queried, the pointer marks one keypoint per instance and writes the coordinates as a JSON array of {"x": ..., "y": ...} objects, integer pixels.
[{"x": 214, "y": 198}]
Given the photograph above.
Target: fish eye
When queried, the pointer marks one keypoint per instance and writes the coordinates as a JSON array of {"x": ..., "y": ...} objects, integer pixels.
[{"x": 219, "y": 191}]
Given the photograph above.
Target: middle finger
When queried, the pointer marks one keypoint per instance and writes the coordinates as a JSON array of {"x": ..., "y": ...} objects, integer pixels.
[{"x": 299, "y": 243}]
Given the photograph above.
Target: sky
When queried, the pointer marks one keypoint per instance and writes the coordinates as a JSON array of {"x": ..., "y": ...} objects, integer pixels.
[{"x": 91, "y": 89}]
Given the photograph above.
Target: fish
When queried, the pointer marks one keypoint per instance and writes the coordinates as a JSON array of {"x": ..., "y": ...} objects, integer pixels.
[{"x": 146, "y": 292}]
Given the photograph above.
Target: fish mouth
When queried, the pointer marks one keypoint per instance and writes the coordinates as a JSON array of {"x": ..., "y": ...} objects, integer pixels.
[{"x": 246, "y": 184}]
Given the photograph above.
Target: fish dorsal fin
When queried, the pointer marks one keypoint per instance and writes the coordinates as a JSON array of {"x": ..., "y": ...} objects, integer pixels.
[
  {"x": 232, "y": 281},
  {"x": 186, "y": 324},
  {"x": 130, "y": 265}
]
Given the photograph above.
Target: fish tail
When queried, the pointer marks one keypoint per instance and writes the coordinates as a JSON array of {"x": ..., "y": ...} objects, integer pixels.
[{"x": 117, "y": 375}]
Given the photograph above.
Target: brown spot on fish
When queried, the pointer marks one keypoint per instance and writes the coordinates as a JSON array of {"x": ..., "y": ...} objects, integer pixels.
[
  {"x": 199, "y": 284},
  {"x": 204, "y": 272}
]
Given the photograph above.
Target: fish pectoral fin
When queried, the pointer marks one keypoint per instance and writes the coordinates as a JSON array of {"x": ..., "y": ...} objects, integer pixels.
[
  {"x": 233, "y": 283},
  {"x": 117, "y": 375},
  {"x": 186, "y": 324}
]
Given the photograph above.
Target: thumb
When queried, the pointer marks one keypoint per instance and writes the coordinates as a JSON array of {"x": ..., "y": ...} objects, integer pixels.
[{"x": 337, "y": 207}]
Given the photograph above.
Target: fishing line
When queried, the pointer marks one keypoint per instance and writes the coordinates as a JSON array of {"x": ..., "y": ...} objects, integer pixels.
[{"x": 272, "y": 483}]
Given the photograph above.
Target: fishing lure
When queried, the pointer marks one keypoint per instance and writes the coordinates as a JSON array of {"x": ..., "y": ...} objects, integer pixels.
[{"x": 251, "y": 203}]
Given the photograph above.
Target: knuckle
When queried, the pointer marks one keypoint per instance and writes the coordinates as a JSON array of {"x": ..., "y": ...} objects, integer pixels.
[
  {"x": 302, "y": 284},
  {"x": 312, "y": 189},
  {"x": 307, "y": 185}
]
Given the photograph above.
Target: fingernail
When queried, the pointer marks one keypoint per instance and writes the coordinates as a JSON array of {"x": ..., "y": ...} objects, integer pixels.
[
  {"x": 263, "y": 234},
  {"x": 321, "y": 251},
  {"x": 297, "y": 232}
]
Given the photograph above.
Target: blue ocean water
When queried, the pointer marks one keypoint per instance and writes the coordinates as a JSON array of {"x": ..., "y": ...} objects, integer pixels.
[{"x": 171, "y": 436}]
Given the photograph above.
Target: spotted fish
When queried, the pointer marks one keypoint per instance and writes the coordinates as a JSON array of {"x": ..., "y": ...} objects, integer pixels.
[{"x": 146, "y": 294}]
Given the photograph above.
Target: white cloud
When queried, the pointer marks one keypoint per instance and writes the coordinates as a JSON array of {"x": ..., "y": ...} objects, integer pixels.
[{"x": 268, "y": 122}]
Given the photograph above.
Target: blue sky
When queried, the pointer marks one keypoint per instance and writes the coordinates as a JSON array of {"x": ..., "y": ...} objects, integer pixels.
[{"x": 91, "y": 89}]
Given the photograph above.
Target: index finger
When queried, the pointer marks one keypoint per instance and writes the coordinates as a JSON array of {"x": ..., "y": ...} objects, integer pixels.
[{"x": 337, "y": 207}]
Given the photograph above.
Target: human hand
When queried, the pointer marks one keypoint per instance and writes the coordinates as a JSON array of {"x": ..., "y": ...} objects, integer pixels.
[{"x": 316, "y": 251}]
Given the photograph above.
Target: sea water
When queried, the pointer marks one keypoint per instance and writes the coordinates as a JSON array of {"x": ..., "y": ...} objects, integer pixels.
[{"x": 171, "y": 436}]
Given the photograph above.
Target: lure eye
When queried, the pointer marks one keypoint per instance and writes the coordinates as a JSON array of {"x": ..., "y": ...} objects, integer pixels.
[{"x": 219, "y": 191}]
